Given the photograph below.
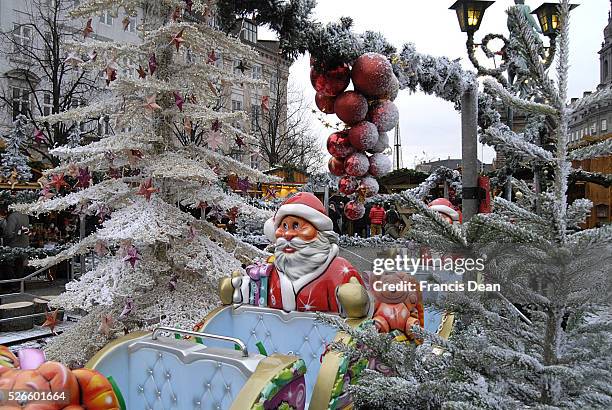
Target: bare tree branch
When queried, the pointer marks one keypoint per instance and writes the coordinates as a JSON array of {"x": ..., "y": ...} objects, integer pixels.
[
  {"x": 35, "y": 51},
  {"x": 283, "y": 135}
]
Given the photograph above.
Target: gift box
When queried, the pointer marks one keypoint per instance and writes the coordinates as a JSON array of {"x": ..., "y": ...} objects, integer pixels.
[{"x": 258, "y": 274}]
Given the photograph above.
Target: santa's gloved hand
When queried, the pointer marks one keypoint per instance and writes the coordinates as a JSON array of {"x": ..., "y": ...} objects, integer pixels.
[
  {"x": 353, "y": 299},
  {"x": 234, "y": 290}
]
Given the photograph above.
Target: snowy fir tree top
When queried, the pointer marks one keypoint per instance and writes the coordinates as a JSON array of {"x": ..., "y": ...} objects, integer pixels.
[
  {"x": 157, "y": 263},
  {"x": 14, "y": 164}
]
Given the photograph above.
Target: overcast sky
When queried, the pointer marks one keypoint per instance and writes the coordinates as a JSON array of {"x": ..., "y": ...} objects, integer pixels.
[{"x": 429, "y": 124}]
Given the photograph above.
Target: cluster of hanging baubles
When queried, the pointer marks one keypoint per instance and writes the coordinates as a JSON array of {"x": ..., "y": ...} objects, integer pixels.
[{"x": 368, "y": 113}]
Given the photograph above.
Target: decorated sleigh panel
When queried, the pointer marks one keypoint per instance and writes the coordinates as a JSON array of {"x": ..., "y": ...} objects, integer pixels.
[
  {"x": 158, "y": 372},
  {"x": 275, "y": 331}
]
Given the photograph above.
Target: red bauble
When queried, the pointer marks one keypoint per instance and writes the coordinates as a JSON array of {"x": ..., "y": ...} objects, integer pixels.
[
  {"x": 380, "y": 165},
  {"x": 347, "y": 185},
  {"x": 354, "y": 210},
  {"x": 393, "y": 89},
  {"x": 363, "y": 136},
  {"x": 369, "y": 186},
  {"x": 351, "y": 107},
  {"x": 356, "y": 165},
  {"x": 325, "y": 103},
  {"x": 339, "y": 146},
  {"x": 331, "y": 82},
  {"x": 382, "y": 144},
  {"x": 384, "y": 115},
  {"x": 372, "y": 75},
  {"x": 336, "y": 166}
]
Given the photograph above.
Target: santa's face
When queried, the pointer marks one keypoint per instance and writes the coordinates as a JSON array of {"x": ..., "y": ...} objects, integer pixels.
[
  {"x": 300, "y": 249},
  {"x": 295, "y": 227}
]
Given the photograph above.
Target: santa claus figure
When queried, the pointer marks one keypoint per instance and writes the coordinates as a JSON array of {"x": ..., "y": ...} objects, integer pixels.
[
  {"x": 307, "y": 273},
  {"x": 446, "y": 209}
]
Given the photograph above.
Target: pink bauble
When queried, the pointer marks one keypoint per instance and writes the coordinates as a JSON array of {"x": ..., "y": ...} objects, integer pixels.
[
  {"x": 363, "y": 136},
  {"x": 357, "y": 165},
  {"x": 369, "y": 186},
  {"x": 380, "y": 165},
  {"x": 372, "y": 75},
  {"x": 351, "y": 107},
  {"x": 331, "y": 82},
  {"x": 383, "y": 114},
  {"x": 336, "y": 166},
  {"x": 382, "y": 144},
  {"x": 339, "y": 146},
  {"x": 347, "y": 185},
  {"x": 354, "y": 210},
  {"x": 325, "y": 103}
]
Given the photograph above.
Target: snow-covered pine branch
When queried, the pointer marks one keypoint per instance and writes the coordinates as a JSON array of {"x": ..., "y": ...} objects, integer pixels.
[
  {"x": 601, "y": 149},
  {"x": 518, "y": 103}
]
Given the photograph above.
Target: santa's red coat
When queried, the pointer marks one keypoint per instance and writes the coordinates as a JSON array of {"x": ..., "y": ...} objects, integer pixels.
[{"x": 320, "y": 294}]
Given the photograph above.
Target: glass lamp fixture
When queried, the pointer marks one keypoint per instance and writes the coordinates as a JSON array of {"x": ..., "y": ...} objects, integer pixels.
[
  {"x": 548, "y": 16},
  {"x": 470, "y": 13}
]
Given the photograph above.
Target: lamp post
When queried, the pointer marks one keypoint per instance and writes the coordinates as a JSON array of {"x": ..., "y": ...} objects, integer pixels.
[{"x": 470, "y": 14}]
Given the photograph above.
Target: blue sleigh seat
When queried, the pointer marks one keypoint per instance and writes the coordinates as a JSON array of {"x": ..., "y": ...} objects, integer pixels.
[{"x": 289, "y": 333}]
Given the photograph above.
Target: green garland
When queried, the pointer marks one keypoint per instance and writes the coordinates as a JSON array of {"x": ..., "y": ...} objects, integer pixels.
[
  {"x": 9, "y": 254},
  {"x": 20, "y": 197}
]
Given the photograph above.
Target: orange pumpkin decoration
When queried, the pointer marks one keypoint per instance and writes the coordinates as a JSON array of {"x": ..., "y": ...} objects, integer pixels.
[
  {"x": 97, "y": 391},
  {"x": 84, "y": 389},
  {"x": 49, "y": 377}
]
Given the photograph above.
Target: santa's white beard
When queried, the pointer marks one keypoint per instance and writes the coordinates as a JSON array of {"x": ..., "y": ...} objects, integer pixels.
[{"x": 307, "y": 258}]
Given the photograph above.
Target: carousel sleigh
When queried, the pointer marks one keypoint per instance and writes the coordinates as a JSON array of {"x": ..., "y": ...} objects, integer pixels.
[{"x": 245, "y": 357}]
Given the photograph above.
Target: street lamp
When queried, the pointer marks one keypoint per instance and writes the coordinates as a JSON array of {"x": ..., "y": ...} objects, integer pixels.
[
  {"x": 548, "y": 16},
  {"x": 470, "y": 13}
]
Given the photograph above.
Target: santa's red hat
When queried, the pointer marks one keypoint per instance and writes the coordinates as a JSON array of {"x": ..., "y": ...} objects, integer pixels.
[
  {"x": 304, "y": 205},
  {"x": 445, "y": 207}
]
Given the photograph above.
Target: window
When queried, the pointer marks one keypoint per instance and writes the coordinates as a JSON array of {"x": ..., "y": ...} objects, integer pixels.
[
  {"x": 106, "y": 18},
  {"x": 47, "y": 104},
  {"x": 604, "y": 125},
  {"x": 254, "y": 159},
  {"x": 237, "y": 155},
  {"x": 237, "y": 70},
  {"x": 249, "y": 31},
  {"x": 594, "y": 129},
  {"x": 256, "y": 72},
  {"x": 273, "y": 83},
  {"x": 606, "y": 70},
  {"x": 255, "y": 109},
  {"x": 602, "y": 211},
  {"x": 236, "y": 105},
  {"x": 219, "y": 62},
  {"x": 214, "y": 22},
  {"x": 22, "y": 38},
  {"x": 21, "y": 100},
  {"x": 131, "y": 25},
  {"x": 103, "y": 126}
]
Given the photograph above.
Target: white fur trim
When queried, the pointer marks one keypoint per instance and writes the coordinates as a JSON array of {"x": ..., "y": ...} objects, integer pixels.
[
  {"x": 446, "y": 210},
  {"x": 290, "y": 289},
  {"x": 270, "y": 230}
]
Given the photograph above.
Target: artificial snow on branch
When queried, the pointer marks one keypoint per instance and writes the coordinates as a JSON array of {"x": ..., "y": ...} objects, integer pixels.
[
  {"x": 601, "y": 149},
  {"x": 519, "y": 104}
]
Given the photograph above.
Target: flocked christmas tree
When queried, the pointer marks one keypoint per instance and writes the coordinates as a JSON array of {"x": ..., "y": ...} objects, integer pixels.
[
  {"x": 157, "y": 263},
  {"x": 554, "y": 351},
  {"x": 14, "y": 164}
]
